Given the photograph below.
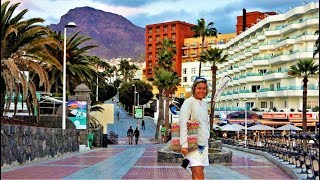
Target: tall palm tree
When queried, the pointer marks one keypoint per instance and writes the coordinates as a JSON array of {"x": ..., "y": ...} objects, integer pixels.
[
  {"x": 127, "y": 70},
  {"x": 22, "y": 48},
  {"x": 214, "y": 56},
  {"x": 174, "y": 82},
  {"x": 79, "y": 67},
  {"x": 304, "y": 69},
  {"x": 166, "y": 81},
  {"x": 165, "y": 78},
  {"x": 316, "y": 51},
  {"x": 98, "y": 64},
  {"x": 203, "y": 30}
]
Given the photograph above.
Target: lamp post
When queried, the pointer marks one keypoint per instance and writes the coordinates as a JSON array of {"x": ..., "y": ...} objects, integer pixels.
[
  {"x": 137, "y": 95},
  {"x": 134, "y": 94},
  {"x": 64, "y": 76},
  {"x": 245, "y": 123}
]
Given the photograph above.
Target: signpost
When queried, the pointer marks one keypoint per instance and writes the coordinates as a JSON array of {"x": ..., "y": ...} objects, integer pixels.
[{"x": 138, "y": 113}]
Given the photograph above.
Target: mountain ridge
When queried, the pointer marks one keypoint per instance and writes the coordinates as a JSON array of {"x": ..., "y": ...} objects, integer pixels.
[{"x": 115, "y": 35}]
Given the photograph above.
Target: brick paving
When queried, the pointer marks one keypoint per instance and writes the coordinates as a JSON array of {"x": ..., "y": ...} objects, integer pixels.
[
  {"x": 125, "y": 161},
  {"x": 140, "y": 162}
]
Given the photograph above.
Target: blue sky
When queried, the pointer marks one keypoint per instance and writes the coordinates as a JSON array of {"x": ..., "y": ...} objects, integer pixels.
[{"x": 142, "y": 12}]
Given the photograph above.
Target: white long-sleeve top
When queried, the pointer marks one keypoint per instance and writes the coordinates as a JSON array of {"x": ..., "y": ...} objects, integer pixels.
[{"x": 200, "y": 113}]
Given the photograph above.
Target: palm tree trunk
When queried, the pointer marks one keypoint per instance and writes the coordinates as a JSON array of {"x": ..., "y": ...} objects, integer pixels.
[
  {"x": 167, "y": 112},
  {"x": 160, "y": 114},
  {"x": 200, "y": 55},
  {"x": 304, "y": 110},
  {"x": 214, "y": 71}
]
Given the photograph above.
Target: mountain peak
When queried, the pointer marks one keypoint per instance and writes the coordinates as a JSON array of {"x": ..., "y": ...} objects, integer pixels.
[{"x": 115, "y": 35}]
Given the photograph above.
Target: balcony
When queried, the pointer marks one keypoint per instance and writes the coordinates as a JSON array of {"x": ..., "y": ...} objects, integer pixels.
[
  {"x": 255, "y": 50},
  {"x": 185, "y": 55},
  {"x": 249, "y": 64},
  {"x": 185, "y": 47},
  {"x": 275, "y": 75},
  {"x": 241, "y": 46},
  {"x": 253, "y": 77},
  {"x": 254, "y": 41},
  {"x": 272, "y": 33},
  {"x": 194, "y": 45},
  {"x": 242, "y": 56},
  {"x": 248, "y": 54},
  {"x": 287, "y": 91},
  {"x": 193, "y": 55},
  {"x": 236, "y": 49},
  {"x": 247, "y": 44},
  {"x": 266, "y": 46},
  {"x": 261, "y": 37},
  {"x": 260, "y": 61}
]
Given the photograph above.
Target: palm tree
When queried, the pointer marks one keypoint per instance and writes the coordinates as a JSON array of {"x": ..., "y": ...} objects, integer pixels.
[
  {"x": 165, "y": 78},
  {"x": 304, "y": 69},
  {"x": 127, "y": 70},
  {"x": 165, "y": 81},
  {"x": 316, "y": 51},
  {"x": 215, "y": 57},
  {"x": 22, "y": 48},
  {"x": 79, "y": 67},
  {"x": 203, "y": 30},
  {"x": 165, "y": 51},
  {"x": 99, "y": 64},
  {"x": 174, "y": 82}
]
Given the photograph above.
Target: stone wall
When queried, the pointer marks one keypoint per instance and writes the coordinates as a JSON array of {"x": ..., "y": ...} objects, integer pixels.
[{"x": 25, "y": 143}]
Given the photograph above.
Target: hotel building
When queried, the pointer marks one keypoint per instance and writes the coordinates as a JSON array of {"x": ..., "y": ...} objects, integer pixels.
[
  {"x": 174, "y": 30},
  {"x": 259, "y": 59}
]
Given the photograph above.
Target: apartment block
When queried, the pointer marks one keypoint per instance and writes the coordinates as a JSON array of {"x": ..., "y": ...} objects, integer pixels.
[
  {"x": 260, "y": 57},
  {"x": 176, "y": 31}
]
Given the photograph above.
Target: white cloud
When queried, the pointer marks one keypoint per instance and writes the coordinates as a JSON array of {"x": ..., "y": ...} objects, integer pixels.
[{"x": 189, "y": 6}]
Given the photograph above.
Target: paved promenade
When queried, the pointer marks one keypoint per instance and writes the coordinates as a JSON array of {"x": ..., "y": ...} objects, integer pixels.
[
  {"x": 125, "y": 161},
  {"x": 139, "y": 162}
]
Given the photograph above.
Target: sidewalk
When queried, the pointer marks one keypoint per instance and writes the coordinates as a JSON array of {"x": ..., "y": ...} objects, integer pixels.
[{"x": 140, "y": 162}]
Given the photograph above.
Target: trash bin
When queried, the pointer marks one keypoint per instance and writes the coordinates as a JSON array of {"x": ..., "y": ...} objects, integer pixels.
[
  {"x": 90, "y": 139},
  {"x": 105, "y": 140}
]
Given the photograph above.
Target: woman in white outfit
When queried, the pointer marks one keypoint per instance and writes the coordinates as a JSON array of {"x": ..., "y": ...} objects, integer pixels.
[{"x": 196, "y": 105}]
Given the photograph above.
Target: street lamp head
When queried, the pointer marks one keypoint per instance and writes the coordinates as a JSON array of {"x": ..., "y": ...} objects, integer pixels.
[{"x": 71, "y": 25}]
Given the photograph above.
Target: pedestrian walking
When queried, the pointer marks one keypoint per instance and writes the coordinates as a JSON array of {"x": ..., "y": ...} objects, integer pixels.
[
  {"x": 130, "y": 135},
  {"x": 143, "y": 125},
  {"x": 163, "y": 133},
  {"x": 118, "y": 115},
  {"x": 196, "y": 108},
  {"x": 136, "y": 134}
]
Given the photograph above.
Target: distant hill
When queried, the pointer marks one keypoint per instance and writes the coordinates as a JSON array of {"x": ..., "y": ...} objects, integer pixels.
[{"x": 115, "y": 35}]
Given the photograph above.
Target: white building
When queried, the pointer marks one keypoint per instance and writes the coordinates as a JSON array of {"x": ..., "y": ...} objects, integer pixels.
[{"x": 258, "y": 61}]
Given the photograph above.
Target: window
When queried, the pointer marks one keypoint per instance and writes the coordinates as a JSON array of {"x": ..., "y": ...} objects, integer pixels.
[
  {"x": 285, "y": 104},
  {"x": 279, "y": 69},
  {"x": 184, "y": 70},
  {"x": 193, "y": 70},
  {"x": 291, "y": 51},
  {"x": 263, "y": 104},
  {"x": 271, "y": 87},
  {"x": 262, "y": 71},
  {"x": 278, "y": 85},
  {"x": 271, "y": 105},
  {"x": 185, "y": 79},
  {"x": 255, "y": 88}
]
